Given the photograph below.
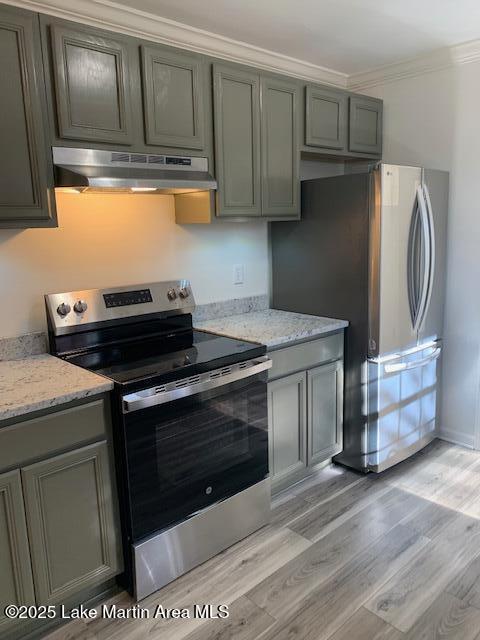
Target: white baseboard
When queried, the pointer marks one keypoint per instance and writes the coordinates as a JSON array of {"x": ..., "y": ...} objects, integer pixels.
[{"x": 457, "y": 437}]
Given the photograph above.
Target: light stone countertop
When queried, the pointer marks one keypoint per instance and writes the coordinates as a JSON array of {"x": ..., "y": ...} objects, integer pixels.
[
  {"x": 43, "y": 381},
  {"x": 272, "y": 327}
]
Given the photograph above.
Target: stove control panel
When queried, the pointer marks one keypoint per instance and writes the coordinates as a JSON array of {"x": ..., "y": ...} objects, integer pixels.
[
  {"x": 117, "y": 303},
  {"x": 125, "y": 298}
]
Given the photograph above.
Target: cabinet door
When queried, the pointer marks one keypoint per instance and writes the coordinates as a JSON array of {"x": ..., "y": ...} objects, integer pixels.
[
  {"x": 280, "y": 148},
  {"x": 92, "y": 87},
  {"x": 173, "y": 99},
  {"x": 26, "y": 170},
  {"x": 326, "y": 116},
  {"x": 325, "y": 411},
  {"x": 365, "y": 125},
  {"x": 71, "y": 522},
  {"x": 237, "y": 141},
  {"x": 287, "y": 425},
  {"x": 16, "y": 584}
]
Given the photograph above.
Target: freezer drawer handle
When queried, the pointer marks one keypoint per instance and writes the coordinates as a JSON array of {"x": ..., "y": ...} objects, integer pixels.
[
  {"x": 405, "y": 366},
  {"x": 196, "y": 384}
]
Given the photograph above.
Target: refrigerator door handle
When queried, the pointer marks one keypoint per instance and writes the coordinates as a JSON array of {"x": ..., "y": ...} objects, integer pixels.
[
  {"x": 431, "y": 266},
  {"x": 395, "y": 367},
  {"x": 427, "y": 262}
]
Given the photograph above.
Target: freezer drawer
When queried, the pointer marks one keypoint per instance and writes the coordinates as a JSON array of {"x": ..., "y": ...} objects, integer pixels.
[{"x": 402, "y": 404}]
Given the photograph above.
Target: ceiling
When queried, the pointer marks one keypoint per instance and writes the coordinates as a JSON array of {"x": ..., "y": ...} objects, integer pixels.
[{"x": 349, "y": 36}]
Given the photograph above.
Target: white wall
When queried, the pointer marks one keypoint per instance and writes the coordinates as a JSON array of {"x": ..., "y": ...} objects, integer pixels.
[
  {"x": 107, "y": 240},
  {"x": 433, "y": 120}
]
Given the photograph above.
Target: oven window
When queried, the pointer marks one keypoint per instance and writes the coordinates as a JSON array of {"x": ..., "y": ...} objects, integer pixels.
[{"x": 188, "y": 454}]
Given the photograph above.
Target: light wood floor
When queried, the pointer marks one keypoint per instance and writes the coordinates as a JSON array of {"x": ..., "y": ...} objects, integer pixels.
[{"x": 346, "y": 557}]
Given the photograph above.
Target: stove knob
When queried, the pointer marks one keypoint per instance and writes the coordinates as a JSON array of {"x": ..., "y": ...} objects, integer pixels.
[
  {"x": 63, "y": 309},
  {"x": 171, "y": 294},
  {"x": 183, "y": 292},
  {"x": 80, "y": 306}
]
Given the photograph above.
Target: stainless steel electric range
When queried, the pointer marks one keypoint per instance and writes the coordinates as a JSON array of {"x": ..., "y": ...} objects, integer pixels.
[{"x": 189, "y": 413}]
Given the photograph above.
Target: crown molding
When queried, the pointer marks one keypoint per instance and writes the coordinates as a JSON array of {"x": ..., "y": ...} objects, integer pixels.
[
  {"x": 133, "y": 22},
  {"x": 435, "y": 61},
  {"x": 106, "y": 14}
]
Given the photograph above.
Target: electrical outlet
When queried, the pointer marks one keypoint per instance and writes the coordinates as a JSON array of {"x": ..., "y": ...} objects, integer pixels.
[{"x": 238, "y": 274}]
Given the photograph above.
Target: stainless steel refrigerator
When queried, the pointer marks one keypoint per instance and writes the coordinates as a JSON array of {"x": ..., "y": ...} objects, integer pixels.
[{"x": 370, "y": 248}]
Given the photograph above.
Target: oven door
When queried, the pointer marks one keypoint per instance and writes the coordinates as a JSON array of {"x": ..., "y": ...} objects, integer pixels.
[{"x": 193, "y": 443}]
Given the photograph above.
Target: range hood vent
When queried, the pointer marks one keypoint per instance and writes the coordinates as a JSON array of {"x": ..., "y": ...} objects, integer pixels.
[{"x": 113, "y": 171}]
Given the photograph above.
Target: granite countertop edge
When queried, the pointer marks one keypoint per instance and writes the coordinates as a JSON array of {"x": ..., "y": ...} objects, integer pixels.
[
  {"x": 273, "y": 327},
  {"x": 42, "y": 382}
]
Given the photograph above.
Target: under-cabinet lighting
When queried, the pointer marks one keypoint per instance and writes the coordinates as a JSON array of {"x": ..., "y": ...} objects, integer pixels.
[{"x": 68, "y": 190}]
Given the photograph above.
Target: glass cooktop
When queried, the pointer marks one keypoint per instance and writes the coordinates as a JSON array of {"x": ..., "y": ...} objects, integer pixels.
[{"x": 169, "y": 358}]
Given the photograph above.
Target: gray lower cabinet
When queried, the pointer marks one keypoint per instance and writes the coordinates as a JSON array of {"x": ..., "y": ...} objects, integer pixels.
[
  {"x": 92, "y": 85},
  {"x": 305, "y": 408},
  {"x": 365, "y": 125},
  {"x": 173, "y": 98},
  {"x": 71, "y": 522},
  {"x": 325, "y": 411},
  {"x": 326, "y": 118},
  {"x": 287, "y": 410},
  {"x": 237, "y": 141},
  {"x": 280, "y": 148},
  {"x": 26, "y": 170},
  {"x": 16, "y": 582}
]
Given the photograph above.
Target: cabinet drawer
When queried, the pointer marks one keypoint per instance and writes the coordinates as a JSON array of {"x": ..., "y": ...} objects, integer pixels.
[
  {"x": 306, "y": 355},
  {"x": 46, "y": 435}
]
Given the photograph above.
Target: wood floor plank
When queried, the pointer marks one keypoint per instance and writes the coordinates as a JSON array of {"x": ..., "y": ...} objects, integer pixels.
[
  {"x": 283, "y": 591},
  {"x": 434, "y": 474},
  {"x": 245, "y": 622},
  {"x": 323, "y": 518},
  {"x": 316, "y": 489},
  {"x": 447, "y": 619},
  {"x": 461, "y": 491},
  {"x": 431, "y": 519},
  {"x": 364, "y": 625},
  {"x": 402, "y": 600},
  {"x": 329, "y": 606},
  {"x": 466, "y": 584},
  {"x": 327, "y": 483},
  {"x": 286, "y": 511}
]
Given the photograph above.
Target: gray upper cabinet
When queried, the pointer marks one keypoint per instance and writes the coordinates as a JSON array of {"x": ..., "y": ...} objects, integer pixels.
[
  {"x": 16, "y": 583},
  {"x": 91, "y": 85},
  {"x": 365, "y": 128},
  {"x": 26, "y": 171},
  {"x": 237, "y": 141},
  {"x": 280, "y": 148},
  {"x": 325, "y": 411},
  {"x": 71, "y": 522},
  {"x": 173, "y": 98},
  {"x": 326, "y": 118}
]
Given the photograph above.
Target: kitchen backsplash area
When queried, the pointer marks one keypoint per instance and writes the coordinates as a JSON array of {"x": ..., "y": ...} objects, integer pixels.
[{"x": 107, "y": 240}]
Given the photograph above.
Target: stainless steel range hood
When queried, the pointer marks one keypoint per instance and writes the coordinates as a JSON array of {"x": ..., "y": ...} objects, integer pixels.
[{"x": 121, "y": 171}]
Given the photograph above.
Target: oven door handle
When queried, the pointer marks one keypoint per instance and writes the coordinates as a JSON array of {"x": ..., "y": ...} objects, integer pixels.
[{"x": 196, "y": 384}]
